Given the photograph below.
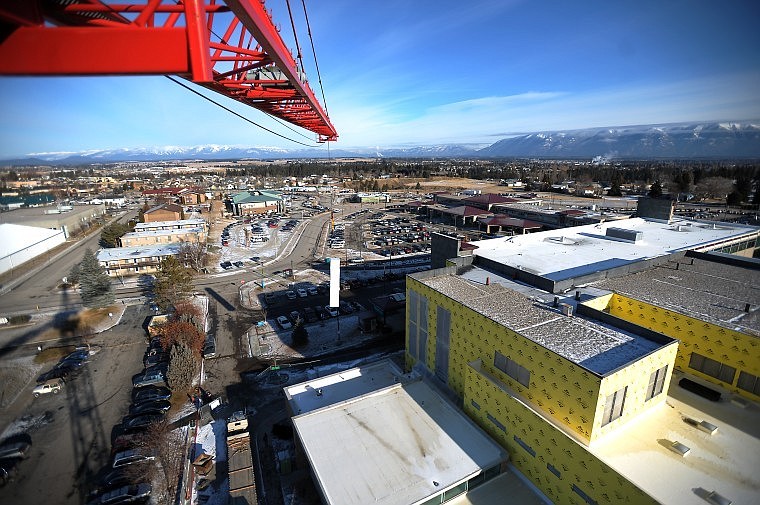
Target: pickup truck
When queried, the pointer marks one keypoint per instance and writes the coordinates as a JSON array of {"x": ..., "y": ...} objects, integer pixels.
[{"x": 51, "y": 386}]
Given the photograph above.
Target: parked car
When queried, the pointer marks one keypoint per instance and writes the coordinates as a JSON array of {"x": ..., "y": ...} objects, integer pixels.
[
  {"x": 8, "y": 469},
  {"x": 126, "y": 494},
  {"x": 140, "y": 422},
  {"x": 310, "y": 315},
  {"x": 302, "y": 293},
  {"x": 51, "y": 386},
  {"x": 131, "y": 456},
  {"x": 312, "y": 290},
  {"x": 295, "y": 316},
  {"x": 151, "y": 393},
  {"x": 291, "y": 295},
  {"x": 332, "y": 311},
  {"x": 59, "y": 372},
  {"x": 284, "y": 323},
  {"x": 345, "y": 308},
  {"x": 149, "y": 379},
  {"x": 209, "y": 348},
  {"x": 155, "y": 359},
  {"x": 150, "y": 407},
  {"x": 9, "y": 450}
]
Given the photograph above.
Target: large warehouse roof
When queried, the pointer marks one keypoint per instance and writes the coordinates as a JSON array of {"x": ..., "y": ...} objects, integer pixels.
[{"x": 581, "y": 250}]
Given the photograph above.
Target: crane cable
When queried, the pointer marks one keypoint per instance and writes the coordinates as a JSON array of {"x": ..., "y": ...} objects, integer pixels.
[
  {"x": 235, "y": 113},
  {"x": 295, "y": 35},
  {"x": 314, "y": 52}
]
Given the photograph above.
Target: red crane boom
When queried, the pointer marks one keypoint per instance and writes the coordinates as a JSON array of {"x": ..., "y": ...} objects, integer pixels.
[{"x": 228, "y": 46}]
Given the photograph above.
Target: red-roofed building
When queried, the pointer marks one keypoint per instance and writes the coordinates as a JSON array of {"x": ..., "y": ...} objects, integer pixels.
[
  {"x": 486, "y": 201},
  {"x": 500, "y": 223}
]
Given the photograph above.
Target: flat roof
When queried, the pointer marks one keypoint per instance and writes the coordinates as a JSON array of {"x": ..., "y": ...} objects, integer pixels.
[
  {"x": 508, "y": 483},
  {"x": 155, "y": 233},
  {"x": 595, "y": 346},
  {"x": 706, "y": 289},
  {"x": 36, "y": 216},
  {"x": 580, "y": 250},
  {"x": 726, "y": 462},
  {"x": 341, "y": 386},
  {"x": 394, "y": 446},
  {"x": 141, "y": 251},
  {"x": 191, "y": 223}
]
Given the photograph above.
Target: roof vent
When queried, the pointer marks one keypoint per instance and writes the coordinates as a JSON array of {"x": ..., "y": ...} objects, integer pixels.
[
  {"x": 708, "y": 428},
  {"x": 717, "y": 499},
  {"x": 679, "y": 448},
  {"x": 625, "y": 234},
  {"x": 566, "y": 309}
]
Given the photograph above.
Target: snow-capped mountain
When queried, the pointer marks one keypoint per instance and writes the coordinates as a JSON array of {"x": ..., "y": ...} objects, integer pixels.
[
  {"x": 683, "y": 140},
  {"x": 721, "y": 140},
  {"x": 222, "y": 152}
]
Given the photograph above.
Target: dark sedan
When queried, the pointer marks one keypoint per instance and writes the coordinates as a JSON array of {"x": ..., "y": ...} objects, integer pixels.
[
  {"x": 140, "y": 422},
  {"x": 150, "y": 407},
  {"x": 151, "y": 393}
]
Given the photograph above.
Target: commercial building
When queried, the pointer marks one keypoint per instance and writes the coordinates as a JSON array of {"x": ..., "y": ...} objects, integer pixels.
[
  {"x": 139, "y": 260},
  {"x": 375, "y": 435},
  {"x": 182, "y": 224},
  {"x": 19, "y": 244},
  {"x": 71, "y": 220},
  {"x": 590, "y": 353},
  {"x": 255, "y": 203},
  {"x": 164, "y": 212},
  {"x": 164, "y": 235}
]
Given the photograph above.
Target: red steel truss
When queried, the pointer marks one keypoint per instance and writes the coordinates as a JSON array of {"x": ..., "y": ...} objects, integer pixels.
[{"x": 228, "y": 46}]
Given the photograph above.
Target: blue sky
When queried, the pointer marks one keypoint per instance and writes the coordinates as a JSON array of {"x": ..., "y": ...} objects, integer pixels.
[{"x": 428, "y": 72}]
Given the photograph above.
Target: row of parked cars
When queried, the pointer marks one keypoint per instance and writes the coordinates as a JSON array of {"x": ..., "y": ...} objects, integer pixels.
[
  {"x": 127, "y": 480},
  {"x": 316, "y": 313}
]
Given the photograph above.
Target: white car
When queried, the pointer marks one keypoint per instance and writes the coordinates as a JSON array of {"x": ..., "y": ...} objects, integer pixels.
[
  {"x": 284, "y": 323},
  {"x": 52, "y": 386},
  {"x": 302, "y": 293}
]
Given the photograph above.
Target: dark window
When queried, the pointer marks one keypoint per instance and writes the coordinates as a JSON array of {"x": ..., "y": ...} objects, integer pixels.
[
  {"x": 613, "y": 407},
  {"x": 553, "y": 470},
  {"x": 713, "y": 368},
  {"x": 512, "y": 368},
  {"x": 497, "y": 423},
  {"x": 749, "y": 383},
  {"x": 583, "y": 495},
  {"x": 475, "y": 404},
  {"x": 656, "y": 382},
  {"x": 525, "y": 446}
]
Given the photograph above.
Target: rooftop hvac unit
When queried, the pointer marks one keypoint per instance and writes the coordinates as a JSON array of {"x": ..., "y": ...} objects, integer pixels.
[
  {"x": 625, "y": 234},
  {"x": 566, "y": 309},
  {"x": 679, "y": 448},
  {"x": 717, "y": 499}
]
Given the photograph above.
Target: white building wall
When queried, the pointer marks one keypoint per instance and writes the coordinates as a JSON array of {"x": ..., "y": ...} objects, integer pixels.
[{"x": 19, "y": 244}]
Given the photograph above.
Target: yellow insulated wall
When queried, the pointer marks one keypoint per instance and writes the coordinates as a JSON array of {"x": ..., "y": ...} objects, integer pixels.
[
  {"x": 733, "y": 348},
  {"x": 558, "y": 465},
  {"x": 560, "y": 388}
]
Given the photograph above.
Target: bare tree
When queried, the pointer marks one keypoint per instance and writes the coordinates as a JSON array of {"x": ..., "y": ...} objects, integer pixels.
[
  {"x": 166, "y": 444},
  {"x": 194, "y": 255},
  {"x": 713, "y": 187}
]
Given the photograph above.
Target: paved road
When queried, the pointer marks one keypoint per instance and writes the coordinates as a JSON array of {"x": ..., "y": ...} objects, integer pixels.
[
  {"x": 71, "y": 432},
  {"x": 39, "y": 288}
]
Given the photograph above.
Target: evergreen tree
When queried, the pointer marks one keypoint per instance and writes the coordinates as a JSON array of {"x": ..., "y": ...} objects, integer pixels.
[
  {"x": 183, "y": 367},
  {"x": 300, "y": 335},
  {"x": 656, "y": 190},
  {"x": 174, "y": 283},
  {"x": 94, "y": 284}
]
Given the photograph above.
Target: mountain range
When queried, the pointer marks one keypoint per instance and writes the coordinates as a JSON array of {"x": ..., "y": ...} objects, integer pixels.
[{"x": 716, "y": 140}]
